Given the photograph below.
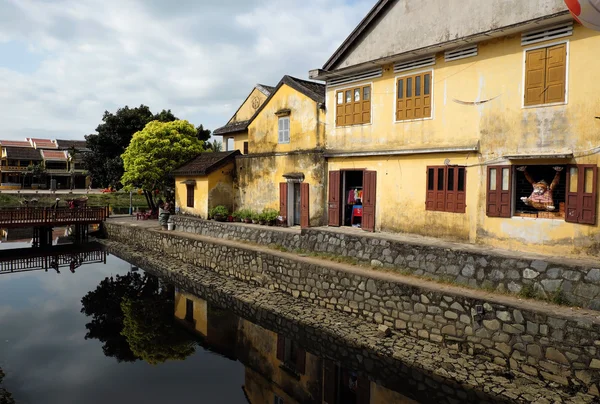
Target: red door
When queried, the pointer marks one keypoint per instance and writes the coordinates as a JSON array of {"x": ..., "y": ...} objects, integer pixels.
[
  {"x": 334, "y": 199},
  {"x": 304, "y": 208},
  {"x": 369, "y": 194},
  {"x": 283, "y": 202}
]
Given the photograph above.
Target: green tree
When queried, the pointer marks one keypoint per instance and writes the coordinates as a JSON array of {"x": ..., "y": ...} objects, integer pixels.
[
  {"x": 151, "y": 331},
  {"x": 5, "y": 396},
  {"x": 103, "y": 161},
  {"x": 215, "y": 146},
  {"x": 157, "y": 150},
  {"x": 203, "y": 134}
]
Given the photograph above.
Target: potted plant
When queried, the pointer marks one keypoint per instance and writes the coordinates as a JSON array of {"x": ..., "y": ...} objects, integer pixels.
[
  {"x": 220, "y": 213},
  {"x": 246, "y": 215},
  {"x": 261, "y": 219},
  {"x": 236, "y": 216},
  {"x": 270, "y": 216},
  {"x": 255, "y": 216}
]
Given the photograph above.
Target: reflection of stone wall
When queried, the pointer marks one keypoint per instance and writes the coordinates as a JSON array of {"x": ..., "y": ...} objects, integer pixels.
[
  {"x": 555, "y": 346},
  {"x": 578, "y": 283}
]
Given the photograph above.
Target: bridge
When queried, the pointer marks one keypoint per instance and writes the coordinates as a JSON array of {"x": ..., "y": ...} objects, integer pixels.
[
  {"x": 64, "y": 256},
  {"x": 35, "y": 217}
]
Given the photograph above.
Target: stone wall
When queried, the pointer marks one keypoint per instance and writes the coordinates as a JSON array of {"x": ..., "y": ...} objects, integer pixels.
[
  {"x": 578, "y": 284},
  {"x": 559, "y": 346}
]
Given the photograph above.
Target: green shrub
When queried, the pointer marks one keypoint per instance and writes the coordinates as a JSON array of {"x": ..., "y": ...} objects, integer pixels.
[
  {"x": 245, "y": 214},
  {"x": 255, "y": 216},
  {"x": 269, "y": 214},
  {"x": 219, "y": 211}
]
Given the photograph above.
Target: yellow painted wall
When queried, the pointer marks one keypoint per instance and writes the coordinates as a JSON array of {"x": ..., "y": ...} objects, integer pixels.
[
  {"x": 307, "y": 123},
  {"x": 247, "y": 109},
  {"x": 220, "y": 187},
  {"x": 261, "y": 347},
  {"x": 258, "y": 181},
  {"x": 200, "y": 208},
  {"x": 200, "y": 323},
  {"x": 501, "y": 126},
  {"x": 381, "y": 395}
]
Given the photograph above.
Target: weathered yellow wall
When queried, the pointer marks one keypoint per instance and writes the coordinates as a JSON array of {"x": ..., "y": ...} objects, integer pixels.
[
  {"x": 247, "y": 109},
  {"x": 261, "y": 347},
  {"x": 502, "y": 126},
  {"x": 200, "y": 195},
  {"x": 239, "y": 140},
  {"x": 200, "y": 311},
  {"x": 258, "y": 181},
  {"x": 220, "y": 187},
  {"x": 261, "y": 390},
  {"x": 307, "y": 129}
]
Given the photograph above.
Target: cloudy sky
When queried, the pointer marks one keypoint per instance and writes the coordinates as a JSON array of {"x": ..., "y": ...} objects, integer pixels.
[{"x": 64, "y": 62}]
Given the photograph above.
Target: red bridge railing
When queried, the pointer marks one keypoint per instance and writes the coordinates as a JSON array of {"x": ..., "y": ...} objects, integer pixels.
[{"x": 11, "y": 217}]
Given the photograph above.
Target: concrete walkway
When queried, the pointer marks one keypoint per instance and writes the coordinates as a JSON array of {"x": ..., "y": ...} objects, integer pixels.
[{"x": 509, "y": 300}]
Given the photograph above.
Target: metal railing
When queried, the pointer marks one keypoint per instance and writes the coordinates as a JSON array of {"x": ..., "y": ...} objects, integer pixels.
[{"x": 40, "y": 216}]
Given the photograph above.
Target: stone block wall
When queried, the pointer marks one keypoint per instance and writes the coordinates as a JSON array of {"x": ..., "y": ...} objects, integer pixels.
[
  {"x": 579, "y": 284},
  {"x": 554, "y": 346}
]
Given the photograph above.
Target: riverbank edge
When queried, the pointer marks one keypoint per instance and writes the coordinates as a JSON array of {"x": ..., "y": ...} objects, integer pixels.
[{"x": 327, "y": 333}]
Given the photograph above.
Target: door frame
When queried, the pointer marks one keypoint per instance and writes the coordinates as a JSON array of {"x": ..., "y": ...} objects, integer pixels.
[
  {"x": 290, "y": 199},
  {"x": 343, "y": 200}
]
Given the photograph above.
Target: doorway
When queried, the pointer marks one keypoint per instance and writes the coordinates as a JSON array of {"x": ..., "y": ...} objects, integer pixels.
[
  {"x": 295, "y": 205},
  {"x": 294, "y": 202},
  {"x": 352, "y": 198}
]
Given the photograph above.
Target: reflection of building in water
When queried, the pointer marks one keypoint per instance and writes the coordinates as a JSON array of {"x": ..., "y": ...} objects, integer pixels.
[
  {"x": 60, "y": 235},
  {"x": 278, "y": 370}
]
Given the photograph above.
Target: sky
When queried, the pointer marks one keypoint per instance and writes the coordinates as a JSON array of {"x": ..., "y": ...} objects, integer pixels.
[{"x": 64, "y": 62}]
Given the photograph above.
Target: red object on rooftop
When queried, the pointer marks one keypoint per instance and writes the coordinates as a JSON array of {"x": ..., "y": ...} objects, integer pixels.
[{"x": 587, "y": 12}]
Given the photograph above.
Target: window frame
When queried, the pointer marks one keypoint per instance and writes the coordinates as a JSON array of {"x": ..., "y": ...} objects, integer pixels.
[
  {"x": 462, "y": 208},
  {"x": 189, "y": 187},
  {"x": 524, "y": 67},
  {"x": 432, "y": 95},
  {"x": 352, "y": 86},
  {"x": 279, "y": 130},
  {"x": 232, "y": 138}
]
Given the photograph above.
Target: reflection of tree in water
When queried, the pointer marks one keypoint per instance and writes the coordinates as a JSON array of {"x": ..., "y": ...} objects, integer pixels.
[
  {"x": 132, "y": 315},
  {"x": 5, "y": 396}
]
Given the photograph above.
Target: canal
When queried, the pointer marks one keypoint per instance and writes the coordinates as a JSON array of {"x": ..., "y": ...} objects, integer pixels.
[{"x": 85, "y": 329}]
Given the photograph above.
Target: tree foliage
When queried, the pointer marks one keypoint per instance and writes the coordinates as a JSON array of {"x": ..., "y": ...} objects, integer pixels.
[
  {"x": 157, "y": 150},
  {"x": 215, "y": 145},
  {"x": 202, "y": 134},
  {"x": 125, "y": 306},
  {"x": 5, "y": 396},
  {"x": 103, "y": 161}
]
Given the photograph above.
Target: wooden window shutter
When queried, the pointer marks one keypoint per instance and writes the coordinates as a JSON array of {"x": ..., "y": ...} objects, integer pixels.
[
  {"x": 245, "y": 147},
  {"x": 498, "y": 194},
  {"x": 461, "y": 190},
  {"x": 535, "y": 76},
  {"x": 280, "y": 347},
  {"x": 190, "y": 195},
  {"x": 401, "y": 101},
  {"x": 430, "y": 195},
  {"x": 440, "y": 188},
  {"x": 304, "y": 205},
  {"x": 451, "y": 182},
  {"x": 363, "y": 390},
  {"x": 283, "y": 196},
  {"x": 334, "y": 202},
  {"x": 581, "y": 195},
  {"x": 409, "y": 100},
  {"x": 366, "y": 104},
  {"x": 339, "y": 109},
  {"x": 348, "y": 107},
  {"x": 556, "y": 68},
  {"x": 329, "y": 381},
  {"x": 427, "y": 86},
  {"x": 369, "y": 198},
  {"x": 357, "y": 105},
  {"x": 300, "y": 360}
]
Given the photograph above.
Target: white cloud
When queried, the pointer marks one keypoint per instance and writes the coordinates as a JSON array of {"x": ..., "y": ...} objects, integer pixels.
[{"x": 198, "y": 59}]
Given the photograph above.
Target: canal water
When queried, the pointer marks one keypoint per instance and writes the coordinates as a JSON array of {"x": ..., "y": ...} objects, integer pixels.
[{"x": 78, "y": 325}]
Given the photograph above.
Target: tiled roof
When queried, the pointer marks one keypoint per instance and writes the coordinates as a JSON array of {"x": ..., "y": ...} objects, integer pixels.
[
  {"x": 232, "y": 127},
  {"x": 67, "y": 144},
  {"x": 206, "y": 163},
  {"x": 43, "y": 143},
  {"x": 15, "y": 143},
  {"x": 311, "y": 89},
  {"x": 22, "y": 153},
  {"x": 54, "y": 155}
]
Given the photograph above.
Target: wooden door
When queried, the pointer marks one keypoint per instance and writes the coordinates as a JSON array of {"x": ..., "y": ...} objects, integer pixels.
[
  {"x": 304, "y": 206},
  {"x": 334, "y": 202},
  {"x": 283, "y": 200},
  {"x": 329, "y": 381},
  {"x": 369, "y": 197}
]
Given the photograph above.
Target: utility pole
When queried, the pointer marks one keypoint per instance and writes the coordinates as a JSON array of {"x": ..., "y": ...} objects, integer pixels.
[{"x": 130, "y": 203}]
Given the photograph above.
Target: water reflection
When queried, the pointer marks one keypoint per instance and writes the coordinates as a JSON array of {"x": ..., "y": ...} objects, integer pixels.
[{"x": 132, "y": 316}]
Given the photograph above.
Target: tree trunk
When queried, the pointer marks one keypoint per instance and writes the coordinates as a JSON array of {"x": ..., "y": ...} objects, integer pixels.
[{"x": 149, "y": 200}]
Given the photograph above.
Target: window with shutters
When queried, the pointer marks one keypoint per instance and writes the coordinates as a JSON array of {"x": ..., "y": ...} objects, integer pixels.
[
  {"x": 245, "y": 147},
  {"x": 546, "y": 75},
  {"x": 446, "y": 189},
  {"x": 353, "y": 106},
  {"x": 190, "y": 195},
  {"x": 498, "y": 194},
  {"x": 413, "y": 96},
  {"x": 291, "y": 355},
  {"x": 525, "y": 179},
  {"x": 284, "y": 129}
]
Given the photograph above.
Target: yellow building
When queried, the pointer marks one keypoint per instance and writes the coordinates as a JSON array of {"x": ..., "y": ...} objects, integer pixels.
[
  {"x": 204, "y": 183},
  {"x": 430, "y": 129},
  {"x": 235, "y": 132}
]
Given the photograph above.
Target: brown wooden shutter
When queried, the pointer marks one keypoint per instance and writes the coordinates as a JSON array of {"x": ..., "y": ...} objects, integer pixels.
[
  {"x": 304, "y": 206},
  {"x": 334, "y": 202},
  {"x": 450, "y": 185},
  {"x": 369, "y": 198},
  {"x": 400, "y": 100},
  {"x": 329, "y": 381},
  {"x": 535, "y": 76},
  {"x": 581, "y": 195},
  {"x": 427, "y": 95},
  {"x": 245, "y": 147},
  {"x": 572, "y": 203},
  {"x": 366, "y": 104},
  {"x": 280, "y": 347},
  {"x": 556, "y": 68},
  {"x": 430, "y": 194},
  {"x": 440, "y": 188},
  {"x": 418, "y": 96},
  {"x": 363, "y": 390},
  {"x": 461, "y": 190},
  {"x": 190, "y": 195},
  {"x": 357, "y": 105},
  {"x": 498, "y": 196},
  {"x": 300, "y": 360},
  {"x": 409, "y": 100},
  {"x": 283, "y": 199},
  {"x": 339, "y": 109},
  {"x": 348, "y": 108}
]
